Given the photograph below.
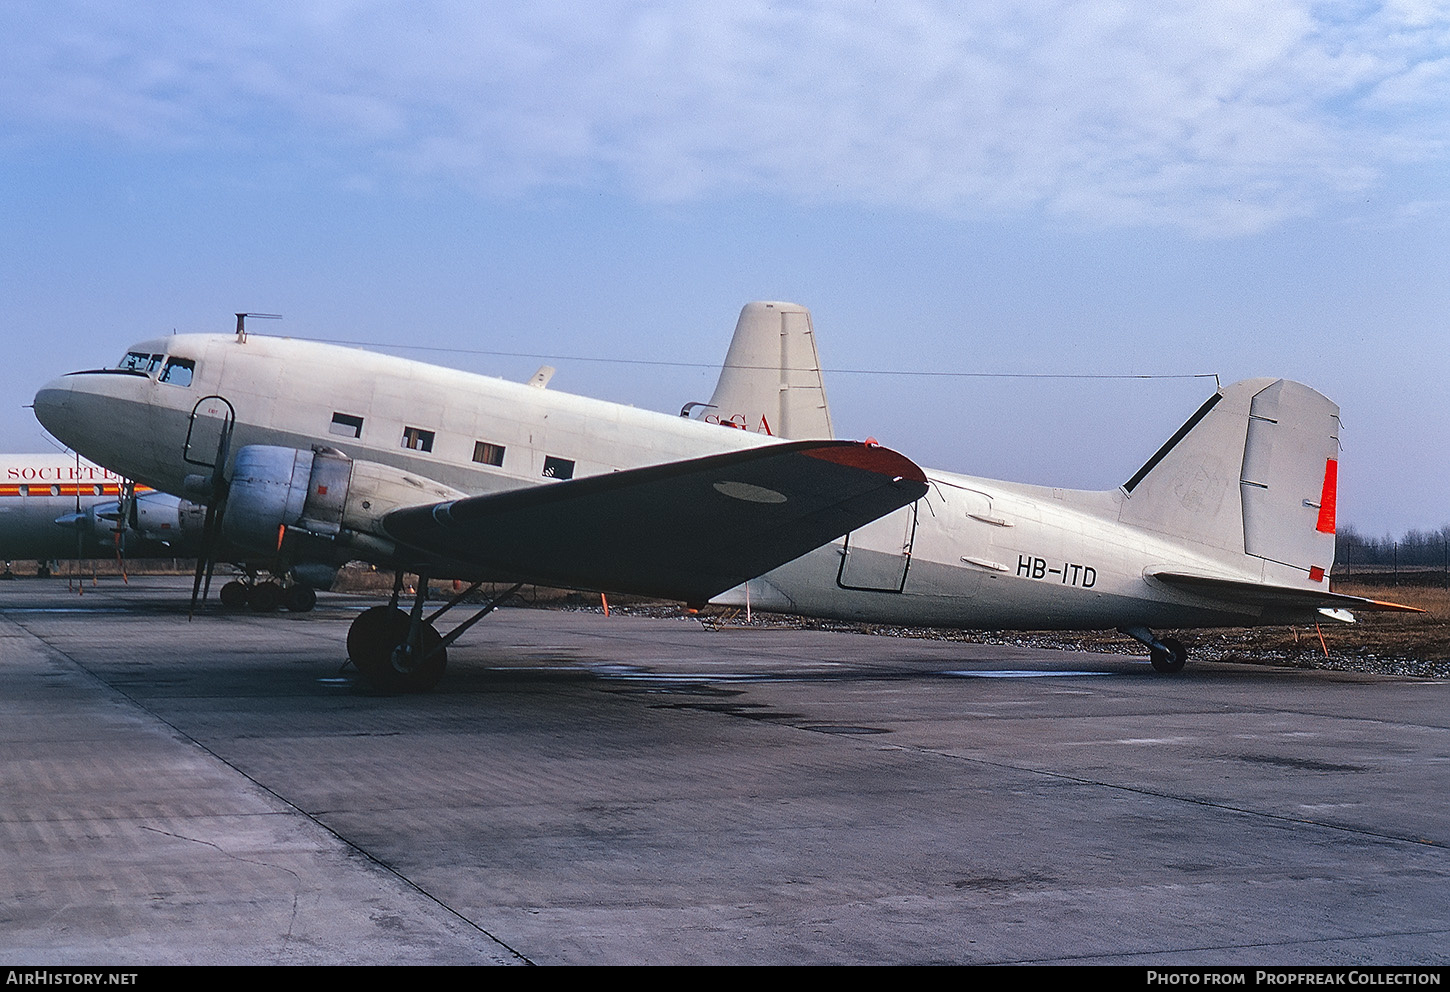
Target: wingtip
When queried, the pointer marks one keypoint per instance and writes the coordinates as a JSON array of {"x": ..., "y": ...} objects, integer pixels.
[{"x": 871, "y": 457}]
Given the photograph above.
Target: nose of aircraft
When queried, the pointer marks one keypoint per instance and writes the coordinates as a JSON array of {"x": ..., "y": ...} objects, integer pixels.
[{"x": 53, "y": 407}]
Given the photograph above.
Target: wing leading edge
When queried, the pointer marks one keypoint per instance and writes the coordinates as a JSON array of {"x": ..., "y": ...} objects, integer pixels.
[{"x": 682, "y": 530}]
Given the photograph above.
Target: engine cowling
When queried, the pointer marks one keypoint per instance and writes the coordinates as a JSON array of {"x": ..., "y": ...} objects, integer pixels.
[
  {"x": 151, "y": 519},
  {"x": 166, "y": 519},
  {"x": 320, "y": 492}
]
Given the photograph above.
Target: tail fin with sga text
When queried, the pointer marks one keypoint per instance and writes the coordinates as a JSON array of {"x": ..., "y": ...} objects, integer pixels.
[{"x": 771, "y": 381}]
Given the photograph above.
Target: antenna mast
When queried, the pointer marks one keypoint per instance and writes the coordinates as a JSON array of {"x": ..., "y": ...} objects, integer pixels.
[{"x": 242, "y": 323}]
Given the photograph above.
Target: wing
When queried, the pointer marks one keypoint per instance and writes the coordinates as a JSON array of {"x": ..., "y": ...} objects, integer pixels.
[
  {"x": 1275, "y": 597},
  {"x": 681, "y": 530}
]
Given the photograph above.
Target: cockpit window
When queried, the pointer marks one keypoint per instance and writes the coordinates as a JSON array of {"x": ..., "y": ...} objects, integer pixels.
[
  {"x": 140, "y": 361},
  {"x": 178, "y": 371}
]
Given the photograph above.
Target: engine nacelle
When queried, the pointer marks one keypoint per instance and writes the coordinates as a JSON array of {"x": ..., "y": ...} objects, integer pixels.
[
  {"x": 167, "y": 519},
  {"x": 151, "y": 519},
  {"x": 321, "y": 492}
]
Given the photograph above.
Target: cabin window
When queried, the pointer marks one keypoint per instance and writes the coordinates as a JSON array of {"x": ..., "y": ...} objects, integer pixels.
[
  {"x": 487, "y": 454},
  {"x": 178, "y": 371},
  {"x": 417, "y": 438},
  {"x": 558, "y": 468},
  {"x": 24, "y": 490},
  {"x": 346, "y": 425}
]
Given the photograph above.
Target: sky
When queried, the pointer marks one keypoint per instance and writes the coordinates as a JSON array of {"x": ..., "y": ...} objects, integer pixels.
[{"x": 1030, "y": 235}]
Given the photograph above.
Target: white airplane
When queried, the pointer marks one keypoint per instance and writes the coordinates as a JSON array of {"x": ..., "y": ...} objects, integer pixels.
[
  {"x": 309, "y": 451},
  {"x": 316, "y": 453}
]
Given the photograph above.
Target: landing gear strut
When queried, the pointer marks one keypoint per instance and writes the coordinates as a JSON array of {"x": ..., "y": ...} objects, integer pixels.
[
  {"x": 403, "y": 652},
  {"x": 1167, "y": 655}
]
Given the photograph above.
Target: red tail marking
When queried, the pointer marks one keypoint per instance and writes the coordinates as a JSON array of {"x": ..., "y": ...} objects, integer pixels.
[{"x": 1327, "y": 497}]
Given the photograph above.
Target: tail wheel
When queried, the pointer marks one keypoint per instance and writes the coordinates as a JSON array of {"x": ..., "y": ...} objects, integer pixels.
[
  {"x": 377, "y": 643},
  {"x": 1169, "y": 661}
]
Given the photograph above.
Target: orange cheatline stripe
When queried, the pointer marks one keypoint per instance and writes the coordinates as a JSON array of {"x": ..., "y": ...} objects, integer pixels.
[{"x": 67, "y": 489}]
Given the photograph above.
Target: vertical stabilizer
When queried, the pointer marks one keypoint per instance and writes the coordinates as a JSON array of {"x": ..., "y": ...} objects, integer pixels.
[
  {"x": 771, "y": 381},
  {"x": 1254, "y": 472}
]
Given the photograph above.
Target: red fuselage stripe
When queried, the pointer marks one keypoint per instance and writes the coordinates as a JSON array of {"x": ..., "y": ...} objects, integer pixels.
[{"x": 1327, "y": 497}]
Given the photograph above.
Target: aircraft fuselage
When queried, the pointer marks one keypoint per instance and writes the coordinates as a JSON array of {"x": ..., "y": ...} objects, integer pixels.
[
  {"x": 972, "y": 553},
  {"x": 472, "y": 433}
]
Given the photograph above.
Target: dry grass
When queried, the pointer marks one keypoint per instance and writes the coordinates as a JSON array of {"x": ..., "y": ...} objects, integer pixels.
[
  {"x": 1419, "y": 636},
  {"x": 1408, "y": 643}
]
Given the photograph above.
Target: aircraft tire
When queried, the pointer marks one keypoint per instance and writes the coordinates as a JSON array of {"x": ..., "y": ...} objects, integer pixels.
[
  {"x": 376, "y": 643},
  {"x": 299, "y": 598},
  {"x": 1172, "y": 660},
  {"x": 264, "y": 597},
  {"x": 233, "y": 595}
]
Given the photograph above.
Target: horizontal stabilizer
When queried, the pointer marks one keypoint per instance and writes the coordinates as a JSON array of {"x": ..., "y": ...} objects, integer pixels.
[
  {"x": 1273, "y": 596},
  {"x": 684, "y": 530}
]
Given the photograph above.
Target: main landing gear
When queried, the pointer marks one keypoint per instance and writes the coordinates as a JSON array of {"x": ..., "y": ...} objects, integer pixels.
[
  {"x": 266, "y": 597},
  {"x": 403, "y": 652},
  {"x": 1167, "y": 655}
]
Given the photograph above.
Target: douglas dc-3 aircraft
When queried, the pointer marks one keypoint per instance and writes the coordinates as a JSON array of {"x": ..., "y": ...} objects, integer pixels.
[{"x": 312, "y": 452}]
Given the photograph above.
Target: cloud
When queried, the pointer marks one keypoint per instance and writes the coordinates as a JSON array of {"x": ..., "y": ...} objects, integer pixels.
[{"x": 1219, "y": 117}]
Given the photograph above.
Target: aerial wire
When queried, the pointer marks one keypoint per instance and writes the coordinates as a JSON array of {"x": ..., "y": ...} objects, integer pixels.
[{"x": 928, "y": 373}]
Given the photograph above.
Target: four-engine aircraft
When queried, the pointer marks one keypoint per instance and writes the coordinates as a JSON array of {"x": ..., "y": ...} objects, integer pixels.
[
  {"x": 313, "y": 452},
  {"x": 55, "y": 507}
]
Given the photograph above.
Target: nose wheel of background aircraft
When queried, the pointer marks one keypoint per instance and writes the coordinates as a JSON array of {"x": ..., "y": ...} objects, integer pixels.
[
  {"x": 264, "y": 597},
  {"x": 299, "y": 598},
  {"x": 233, "y": 595}
]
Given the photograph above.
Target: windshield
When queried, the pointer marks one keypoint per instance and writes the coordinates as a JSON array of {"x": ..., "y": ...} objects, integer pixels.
[{"x": 140, "y": 361}]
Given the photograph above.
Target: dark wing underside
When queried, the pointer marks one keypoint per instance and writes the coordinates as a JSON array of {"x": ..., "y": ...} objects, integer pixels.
[
  {"x": 1275, "y": 597},
  {"x": 684, "y": 530}
]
